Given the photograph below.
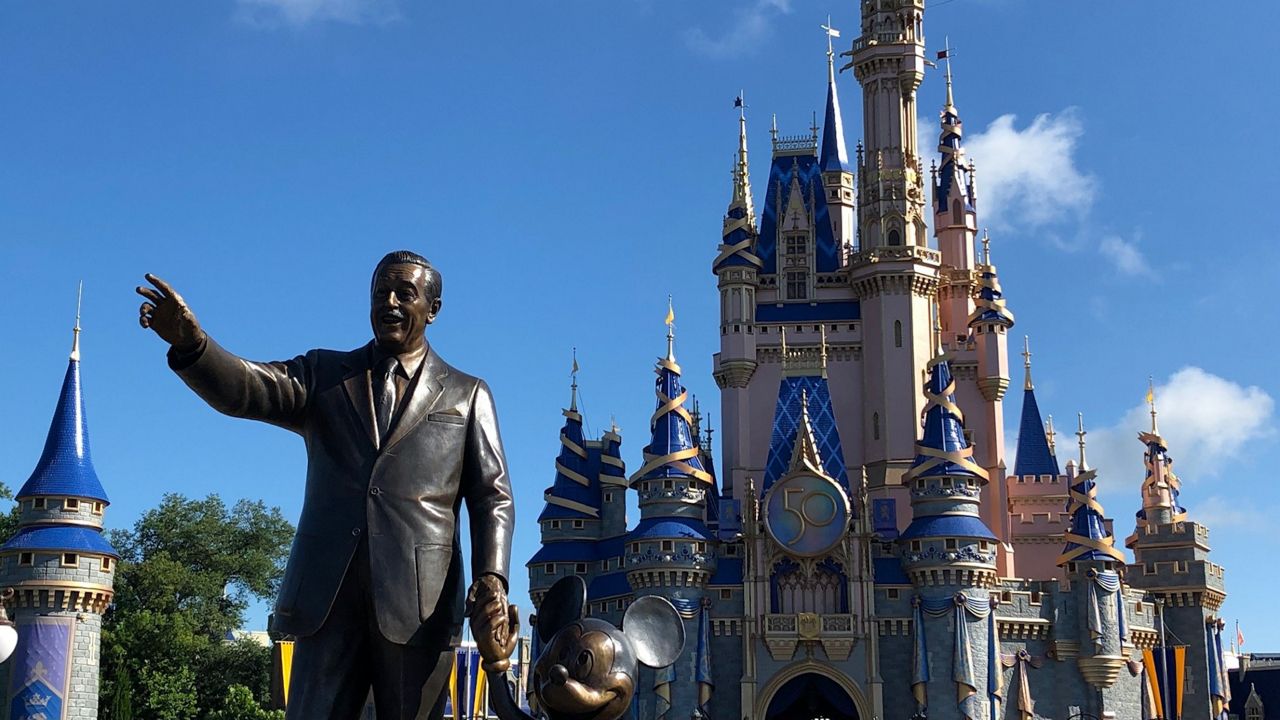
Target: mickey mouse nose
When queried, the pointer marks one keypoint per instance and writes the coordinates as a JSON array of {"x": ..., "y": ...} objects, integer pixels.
[{"x": 558, "y": 674}]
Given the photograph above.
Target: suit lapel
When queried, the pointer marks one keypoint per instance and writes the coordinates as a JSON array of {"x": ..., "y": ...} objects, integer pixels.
[
  {"x": 423, "y": 395},
  {"x": 359, "y": 387}
]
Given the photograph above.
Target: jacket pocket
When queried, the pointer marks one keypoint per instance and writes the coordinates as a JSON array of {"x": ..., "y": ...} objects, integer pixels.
[
  {"x": 433, "y": 572},
  {"x": 449, "y": 418}
]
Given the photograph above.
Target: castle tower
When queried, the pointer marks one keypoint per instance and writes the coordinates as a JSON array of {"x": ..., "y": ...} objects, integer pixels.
[
  {"x": 955, "y": 221},
  {"x": 1038, "y": 491},
  {"x": 837, "y": 175},
  {"x": 895, "y": 274},
  {"x": 990, "y": 322},
  {"x": 62, "y": 569},
  {"x": 738, "y": 268},
  {"x": 570, "y": 522},
  {"x": 671, "y": 552},
  {"x": 1171, "y": 562},
  {"x": 949, "y": 554},
  {"x": 1089, "y": 560}
]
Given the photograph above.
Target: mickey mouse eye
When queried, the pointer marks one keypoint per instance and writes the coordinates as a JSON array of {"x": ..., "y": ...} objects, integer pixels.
[{"x": 585, "y": 661}]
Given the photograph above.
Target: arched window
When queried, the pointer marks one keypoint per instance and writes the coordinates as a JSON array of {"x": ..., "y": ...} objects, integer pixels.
[
  {"x": 897, "y": 333},
  {"x": 895, "y": 238},
  {"x": 957, "y": 212},
  {"x": 875, "y": 426}
]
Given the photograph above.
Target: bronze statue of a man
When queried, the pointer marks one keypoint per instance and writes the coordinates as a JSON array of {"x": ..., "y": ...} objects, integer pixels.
[{"x": 396, "y": 441}]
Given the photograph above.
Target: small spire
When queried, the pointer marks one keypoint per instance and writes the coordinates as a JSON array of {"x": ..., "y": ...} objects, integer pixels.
[
  {"x": 804, "y": 453},
  {"x": 671, "y": 333},
  {"x": 75, "y": 331},
  {"x": 823, "y": 350},
  {"x": 937, "y": 328},
  {"x": 986, "y": 247},
  {"x": 1151, "y": 400},
  {"x": 573, "y": 387},
  {"x": 741, "y": 173},
  {"x": 773, "y": 131},
  {"x": 1049, "y": 435},
  {"x": 782, "y": 329},
  {"x": 946, "y": 54},
  {"x": 1080, "y": 433},
  {"x": 613, "y": 424},
  {"x": 1026, "y": 362}
]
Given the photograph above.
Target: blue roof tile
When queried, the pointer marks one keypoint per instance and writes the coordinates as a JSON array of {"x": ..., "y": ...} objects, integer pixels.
[
  {"x": 62, "y": 538},
  {"x": 1034, "y": 456},
  {"x": 786, "y": 418},
  {"x": 930, "y": 526},
  {"x": 65, "y": 467}
]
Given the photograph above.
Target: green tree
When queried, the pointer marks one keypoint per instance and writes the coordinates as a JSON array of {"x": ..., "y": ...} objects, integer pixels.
[
  {"x": 9, "y": 519},
  {"x": 187, "y": 572},
  {"x": 239, "y": 704}
]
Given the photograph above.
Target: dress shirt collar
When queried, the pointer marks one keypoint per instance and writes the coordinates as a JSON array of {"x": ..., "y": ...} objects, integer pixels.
[{"x": 409, "y": 362}]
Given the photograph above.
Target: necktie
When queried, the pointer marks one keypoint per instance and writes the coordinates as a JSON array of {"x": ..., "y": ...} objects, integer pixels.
[{"x": 384, "y": 398}]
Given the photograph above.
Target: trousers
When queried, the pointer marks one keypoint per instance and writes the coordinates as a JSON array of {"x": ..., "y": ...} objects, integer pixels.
[{"x": 335, "y": 669}]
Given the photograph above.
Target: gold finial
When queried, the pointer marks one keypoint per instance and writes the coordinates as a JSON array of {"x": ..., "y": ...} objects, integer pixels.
[
  {"x": 782, "y": 329},
  {"x": 986, "y": 247},
  {"x": 671, "y": 333},
  {"x": 1151, "y": 400},
  {"x": 1026, "y": 362},
  {"x": 75, "y": 331},
  {"x": 937, "y": 328},
  {"x": 823, "y": 350},
  {"x": 1080, "y": 433},
  {"x": 573, "y": 386},
  {"x": 773, "y": 131},
  {"x": 1049, "y": 435}
]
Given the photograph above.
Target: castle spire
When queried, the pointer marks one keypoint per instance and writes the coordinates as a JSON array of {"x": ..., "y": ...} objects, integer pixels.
[
  {"x": 834, "y": 157},
  {"x": 1080, "y": 433},
  {"x": 1151, "y": 400},
  {"x": 1026, "y": 363},
  {"x": 75, "y": 331},
  {"x": 673, "y": 449},
  {"x": 671, "y": 331},
  {"x": 573, "y": 387},
  {"x": 1088, "y": 537},
  {"x": 741, "y": 171},
  {"x": 1160, "y": 487},
  {"x": 1035, "y": 439},
  {"x": 990, "y": 307},
  {"x": 804, "y": 453},
  {"x": 573, "y": 494}
]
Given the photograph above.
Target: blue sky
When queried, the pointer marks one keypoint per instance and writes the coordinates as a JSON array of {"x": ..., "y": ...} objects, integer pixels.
[{"x": 567, "y": 165}]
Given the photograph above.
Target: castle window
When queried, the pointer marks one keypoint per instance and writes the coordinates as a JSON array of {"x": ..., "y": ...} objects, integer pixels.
[
  {"x": 106, "y": 564},
  {"x": 580, "y": 568},
  {"x": 71, "y": 505},
  {"x": 39, "y": 504},
  {"x": 1006, "y": 596},
  {"x": 796, "y": 246},
  {"x": 726, "y": 594},
  {"x": 549, "y": 569},
  {"x": 668, "y": 546},
  {"x": 1035, "y": 597},
  {"x": 957, "y": 212},
  {"x": 97, "y": 508},
  {"x": 608, "y": 497},
  {"x": 635, "y": 548},
  {"x": 26, "y": 559},
  {"x": 555, "y": 524},
  {"x": 875, "y": 426},
  {"x": 577, "y": 524},
  {"x": 70, "y": 560},
  {"x": 668, "y": 485},
  {"x": 951, "y": 543},
  {"x": 895, "y": 238},
  {"x": 897, "y": 333},
  {"x": 984, "y": 545},
  {"x": 617, "y": 604},
  {"x": 892, "y": 593},
  {"x": 797, "y": 286},
  {"x": 731, "y": 551},
  {"x": 915, "y": 546}
]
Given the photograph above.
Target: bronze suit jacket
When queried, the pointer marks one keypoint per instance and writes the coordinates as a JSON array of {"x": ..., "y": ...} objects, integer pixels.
[{"x": 404, "y": 495}]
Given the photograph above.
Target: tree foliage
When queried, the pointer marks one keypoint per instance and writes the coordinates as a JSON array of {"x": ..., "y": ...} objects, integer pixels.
[{"x": 188, "y": 570}]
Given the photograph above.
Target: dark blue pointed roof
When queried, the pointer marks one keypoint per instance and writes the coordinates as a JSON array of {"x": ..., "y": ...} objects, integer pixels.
[
  {"x": 834, "y": 158},
  {"x": 672, "y": 451},
  {"x": 1034, "y": 456},
  {"x": 943, "y": 430},
  {"x": 1087, "y": 538},
  {"x": 991, "y": 306},
  {"x": 786, "y": 419},
  {"x": 953, "y": 182},
  {"x": 804, "y": 167},
  {"x": 61, "y": 538},
  {"x": 65, "y": 468},
  {"x": 575, "y": 493}
]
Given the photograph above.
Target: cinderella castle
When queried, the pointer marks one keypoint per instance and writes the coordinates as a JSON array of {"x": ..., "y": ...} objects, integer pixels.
[{"x": 861, "y": 550}]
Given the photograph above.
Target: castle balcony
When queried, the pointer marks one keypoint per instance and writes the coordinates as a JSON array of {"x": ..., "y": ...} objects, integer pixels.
[{"x": 835, "y": 633}]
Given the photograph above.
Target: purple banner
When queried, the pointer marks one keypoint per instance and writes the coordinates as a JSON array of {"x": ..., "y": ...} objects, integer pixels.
[
  {"x": 40, "y": 669},
  {"x": 884, "y": 518}
]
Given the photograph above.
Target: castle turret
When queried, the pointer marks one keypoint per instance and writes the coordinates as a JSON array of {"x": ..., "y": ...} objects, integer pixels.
[
  {"x": 1090, "y": 560},
  {"x": 955, "y": 221},
  {"x": 837, "y": 173},
  {"x": 1038, "y": 491},
  {"x": 671, "y": 551},
  {"x": 1171, "y": 562},
  {"x": 62, "y": 569}
]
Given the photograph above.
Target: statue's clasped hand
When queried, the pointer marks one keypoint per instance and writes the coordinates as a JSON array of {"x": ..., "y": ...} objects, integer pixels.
[{"x": 495, "y": 625}]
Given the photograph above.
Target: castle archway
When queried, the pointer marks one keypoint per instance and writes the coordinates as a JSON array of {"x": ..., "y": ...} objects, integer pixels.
[{"x": 809, "y": 691}]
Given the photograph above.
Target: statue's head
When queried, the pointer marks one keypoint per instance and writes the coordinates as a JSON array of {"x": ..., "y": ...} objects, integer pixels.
[
  {"x": 404, "y": 298},
  {"x": 588, "y": 668}
]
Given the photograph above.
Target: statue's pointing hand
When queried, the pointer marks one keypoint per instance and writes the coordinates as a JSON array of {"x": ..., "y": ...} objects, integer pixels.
[
  {"x": 167, "y": 313},
  {"x": 494, "y": 624}
]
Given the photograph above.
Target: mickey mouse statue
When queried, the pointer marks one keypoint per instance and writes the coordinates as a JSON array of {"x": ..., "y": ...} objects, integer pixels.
[{"x": 588, "y": 668}]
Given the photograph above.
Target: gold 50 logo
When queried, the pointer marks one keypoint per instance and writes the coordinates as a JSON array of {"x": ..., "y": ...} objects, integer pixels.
[{"x": 806, "y": 514}]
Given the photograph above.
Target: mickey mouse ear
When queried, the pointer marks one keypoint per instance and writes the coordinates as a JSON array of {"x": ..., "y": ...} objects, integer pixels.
[
  {"x": 563, "y": 604},
  {"x": 655, "y": 630}
]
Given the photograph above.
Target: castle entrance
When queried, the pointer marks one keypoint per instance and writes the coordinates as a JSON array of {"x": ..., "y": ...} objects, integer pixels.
[{"x": 811, "y": 697}]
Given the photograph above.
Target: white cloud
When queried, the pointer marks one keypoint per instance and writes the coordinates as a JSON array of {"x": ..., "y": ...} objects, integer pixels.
[
  {"x": 270, "y": 13},
  {"x": 1206, "y": 419},
  {"x": 1124, "y": 255},
  {"x": 749, "y": 25},
  {"x": 1028, "y": 178}
]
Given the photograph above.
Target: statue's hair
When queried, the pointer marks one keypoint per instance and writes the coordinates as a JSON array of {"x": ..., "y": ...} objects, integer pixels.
[{"x": 435, "y": 283}]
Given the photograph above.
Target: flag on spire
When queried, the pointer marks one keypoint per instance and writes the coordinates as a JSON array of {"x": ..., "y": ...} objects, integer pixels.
[{"x": 671, "y": 313}]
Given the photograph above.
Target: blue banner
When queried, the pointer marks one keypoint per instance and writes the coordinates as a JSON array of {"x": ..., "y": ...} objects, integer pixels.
[
  {"x": 40, "y": 669},
  {"x": 884, "y": 518}
]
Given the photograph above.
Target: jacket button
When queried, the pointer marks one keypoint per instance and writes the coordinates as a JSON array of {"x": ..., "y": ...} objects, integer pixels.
[
  {"x": 375, "y": 490},
  {"x": 355, "y": 531}
]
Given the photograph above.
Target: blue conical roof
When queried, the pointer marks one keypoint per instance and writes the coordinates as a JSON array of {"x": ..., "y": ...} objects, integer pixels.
[
  {"x": 575, "y": 492},
  {"x": 1087, "y": 538},
  {"x": 1034, "y": 455},
  {"x": 991, "y": 305},
  {"x": 65, "y": 467},
  {"x": 672, "y": 451},
  {"x": 942, "y": 450},
  {"x": 834, "y": 158},
  {"x": 953, "y": 182}
]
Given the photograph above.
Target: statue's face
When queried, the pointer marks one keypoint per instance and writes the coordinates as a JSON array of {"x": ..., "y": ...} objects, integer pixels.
[{"x": 401, "y": 307}]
